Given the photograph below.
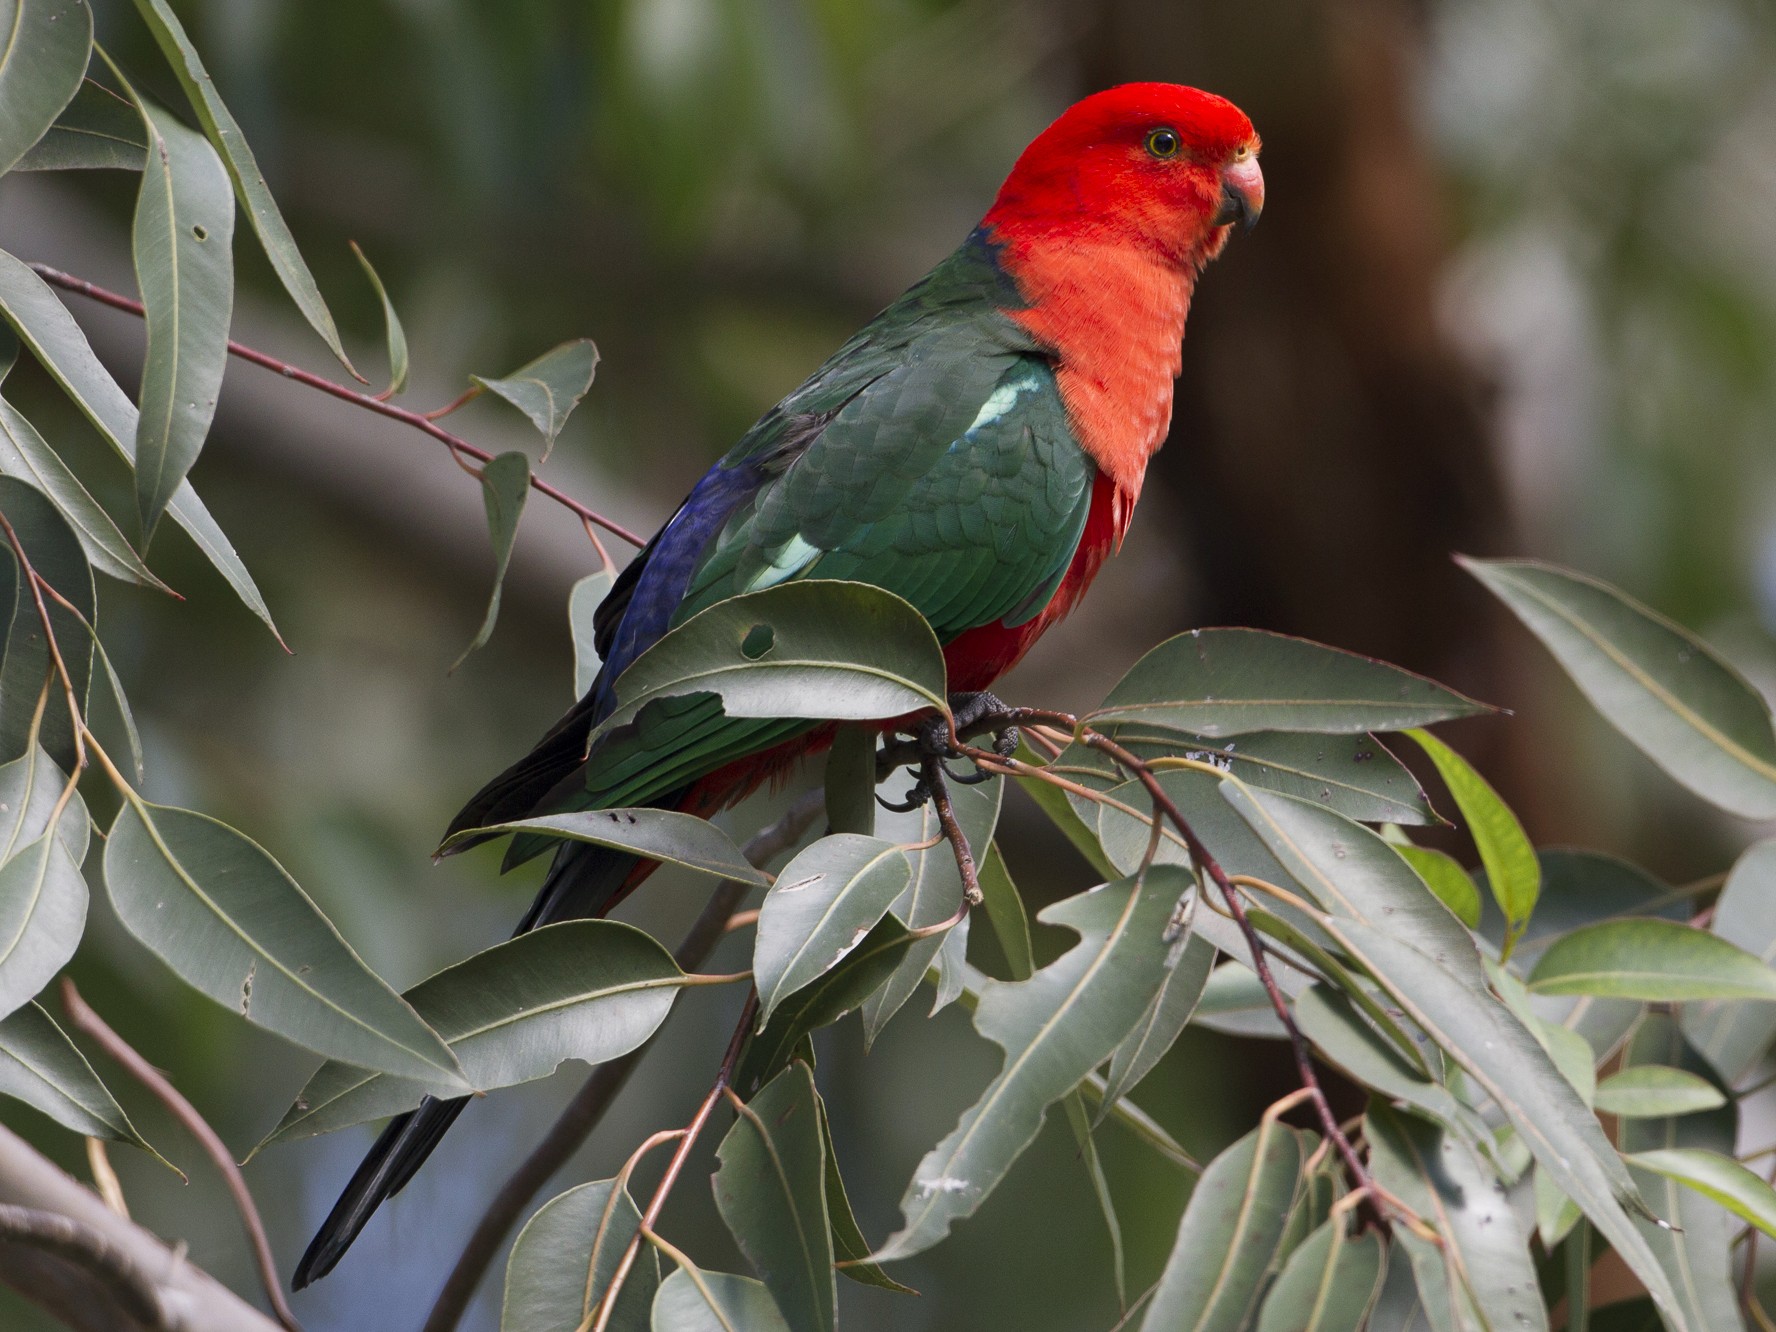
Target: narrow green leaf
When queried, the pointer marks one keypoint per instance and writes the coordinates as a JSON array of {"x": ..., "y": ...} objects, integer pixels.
[
  {"x": 1512, "y": 870},
  {"x": 823, "y": 904},
  {"x": 1081, "y": 1125},
  {"x": 565, "y": 1256},
  {"x": 227, "y": 918},
  {"x": 1651, "y": 960},
  {"x": 1652, "y": 1091},
  {"x": 1222, "y": 682},
  {"x": 583, "y": 602},
  {"x": 395, "y": 335},
  {"x": 1732, "y": 1035},
  {"x": 25, "y": 454},
  {"x": 182, "y": 239},
  {"x": 934, "y": 892},
  {"x": 40, "y": 1066},
  {"x": 243, "y": 170},
  {"x": 550, "y": 387},
  {"x": 656, "y": 834},
  {"x": 1556, "y": 1214},
  {"x": 55, "y": 554},
  {"x": 1717, "y": 1177},
  {"x": 1480, "y": 1277},
  {"x": 1235, "y": 1003},
  {"x": 771, "y": 1190},
  {"x": 120, "y": 701},
  {"x": 46, "y": 327},
  {"x": 1163, "y": 1022},
  {"x": 816, "y": 648},
  {"x": 581, "y": 989},
  {"x": 44, "y": 46},
  {"x": 850, "y": 781},
  {"x": 849, "y": 1245},
  {"x": 1229, "y": 1235},
  {"x": 97, "y": 130},
  {"x": 699, "y": 1301},
  {"x": 42, "y": 916},
  {"x": 1054, "y": 804},
  {"x": 1445, "y": 877},
  {"x": 505, "y": 485},
  {"x": 1055, "y": 1028},
  {"x": 1658, "y": 684},
  {"x": 1005, "y": 910},
  {"x": 1329, "y": 1284}
]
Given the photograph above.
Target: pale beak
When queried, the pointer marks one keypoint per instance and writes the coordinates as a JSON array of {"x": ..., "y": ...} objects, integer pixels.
[{"x": 1242, "y": 195}]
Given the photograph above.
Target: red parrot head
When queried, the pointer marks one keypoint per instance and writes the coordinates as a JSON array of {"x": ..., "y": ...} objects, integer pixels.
[{"x": 1153, "y": 164}]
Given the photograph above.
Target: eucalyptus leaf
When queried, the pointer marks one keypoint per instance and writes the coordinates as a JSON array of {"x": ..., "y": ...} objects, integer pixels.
[
  {"x": 505, "y": 485},
  {"x": 1717, "y": 1177},
  {"x": 583, "y": 601},
  {"x": 1512, "y": 870},
  {"x": 1235, "y": 1003},
  {"x": 770, "y": 1188},
  {"x": 1055, "y": 1028},
  {"x": 1005, "y": 911},
  {"x": 43, "y": 56},
  {"x": 394, "y": 334},
  {"x": 182, "y": 238},
  {"x": 849, "y": 1245},
  {"x": 1329, "y": 1283},
  {"x": 814, "y": 648},
  {"x": 1222, "y": 682},
  {"x": 699, "y": 1301},
  {"x": 550, "y": 387},
  {"x": 565, "y": 1256},
  {"x": 31, "y": 788},
  {"x": 581, "y": 989},
  {"x": 216, "y": 908},
  {"x": 1164, "y": 1021},
  {"x": 243, "y": 170},
  {"x": 1731, "y": 1034},
  {"x": 1658, "y": 684},
  {"x": 45, "y": 326},
  {"x": 1059, "y": 810},
  {"x": 1651, "y": 960},
  {"x": 97, "y": 130},
  {"x": 1229, "y": 1235},
  {"x": 665, "y": 835},
  {"x": 1480, "y": 1277},
  {"x": 823, "y": 904},
  {"x": 56, "y": 556},
  {"x": 1080, "y": 1123},
  {"x": 1652, "y": 1091},
  {"x": 1445, "y": 877},
  {"x": 40, "y": 1066},
  {"x": 42, "y": 916}
]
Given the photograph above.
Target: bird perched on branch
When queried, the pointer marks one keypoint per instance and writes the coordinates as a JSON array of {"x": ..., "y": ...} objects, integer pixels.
[{"x": 976, "y": 449}]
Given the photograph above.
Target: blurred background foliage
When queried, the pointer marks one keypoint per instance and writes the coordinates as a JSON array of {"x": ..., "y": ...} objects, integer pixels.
[{"x": 1515, "y": 292}]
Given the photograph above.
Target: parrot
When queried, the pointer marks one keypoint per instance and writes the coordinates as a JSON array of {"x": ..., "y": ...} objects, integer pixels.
[{"x": 977, "y": 449}]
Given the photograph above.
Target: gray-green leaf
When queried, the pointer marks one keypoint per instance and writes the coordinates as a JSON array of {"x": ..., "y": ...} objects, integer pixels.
[
  {"x": 40, "y": 1066},
  {"x": 550, "y": 387},
  {"x": 394, "y": 334},
  {"x": 1652, "y": 960},
  {"x": 1329, "y": 1284},
  {"x": 55, "y": 554},
  {"x": 1732, "y": 1035},
  {"x": 42, "y": 916},
  {"x": 1160, "y": 1026},
  {"x": 217, "y": 909},
  {"x": 97, "y": 130},
  {"x": 699, "y": 1301},
  {"x": 582, "y": 605},
  {"x": 565, "y": 1256},
  {"x": 505, "y": 485},
  {"x": 43, "y": 57},
  {"x": 665, "y": 835}
]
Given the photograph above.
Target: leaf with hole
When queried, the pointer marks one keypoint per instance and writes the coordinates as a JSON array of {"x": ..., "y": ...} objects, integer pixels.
[
  {"x": 1055, "y": 1028},
  {"x": 823, "y": 904},
  {"x": 505, "y": 485},
  {"x": 43, "y": 56},
  {"x": 582, "y": 989},
  {"x": 95, "y": 131},
  {"x": 565, "y": 1256},
  {"x": 1222, "y": 682},
  {"x": 1658, "y": 684},
  {"x": 1230, "y": 1234},
  {"x": 550, "y": 387},
  {"x": 216, "y": 908},
  {"x": 43, "y": 323},
  {"x": 770, "y": 1188}
]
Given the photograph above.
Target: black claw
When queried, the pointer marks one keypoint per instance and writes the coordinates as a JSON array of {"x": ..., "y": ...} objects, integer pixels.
[
  {"x": 916, "y": 796},
  {"x": 965, "y": 779}
]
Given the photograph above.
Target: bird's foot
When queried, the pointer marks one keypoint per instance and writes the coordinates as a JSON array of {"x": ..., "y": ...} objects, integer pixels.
[{"x": 930, "y": 742}]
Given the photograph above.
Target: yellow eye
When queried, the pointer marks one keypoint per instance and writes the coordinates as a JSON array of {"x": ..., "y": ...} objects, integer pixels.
[
  {"x": 1241, "y": 153},
  {"x": 1162, "y": 143}
]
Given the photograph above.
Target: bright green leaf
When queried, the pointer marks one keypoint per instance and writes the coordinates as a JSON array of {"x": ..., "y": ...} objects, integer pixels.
[
  {"x": 1445, "y": 877},
  {"x": 44, "y": 46},
  {"x": 565, "y": 1256},
  {"x": 227, "y": 918},
  {"x": 1654, "y": 681},
  {"x": 665, "y": 835},
  {"x": 1329, "y": 1284},
  {"x": 1229, "y": 1234},
  {"x": 505, "y": 485},
  {"x": 550, "y": 387},
  {"x": 395, "y": 335},
  {"x": 1717, "y": 1177},
  {"x": 698, "y": 1301},
  {"x": 1652, "y": 1091},
  {"x": 1512, "y": 870},
  {"x": 771, "y": 1190},
  {"x": 1222, "y": 682},
  {"x": 824, "y": 903},
  {"x": 1055, "y": 1028},
  {"x": 243, "y": 170},
  {"x": 1651, "y": 960},
  {"x": 97, "y": 130}
]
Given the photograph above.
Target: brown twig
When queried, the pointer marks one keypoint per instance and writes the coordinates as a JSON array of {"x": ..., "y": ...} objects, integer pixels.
[
  {"x": 83, "y": 1247},
  {"x": 590, "y": 1103},
  {"x": 418, "y": 420},
  {"x": 933, "y": 777},
  {"x": 90, "y": 1023}
]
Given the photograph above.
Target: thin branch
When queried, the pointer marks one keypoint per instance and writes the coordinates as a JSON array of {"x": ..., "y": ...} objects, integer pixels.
[
  {"x": 418, "y": 420},
  {"x": 105, "y": 1179},
  {"x": 89, "y": 1022},
  {"x": 588, "y": 1107},
  {"x": 933, "y": 777},
  {"x": 96, "y": 1256}
]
